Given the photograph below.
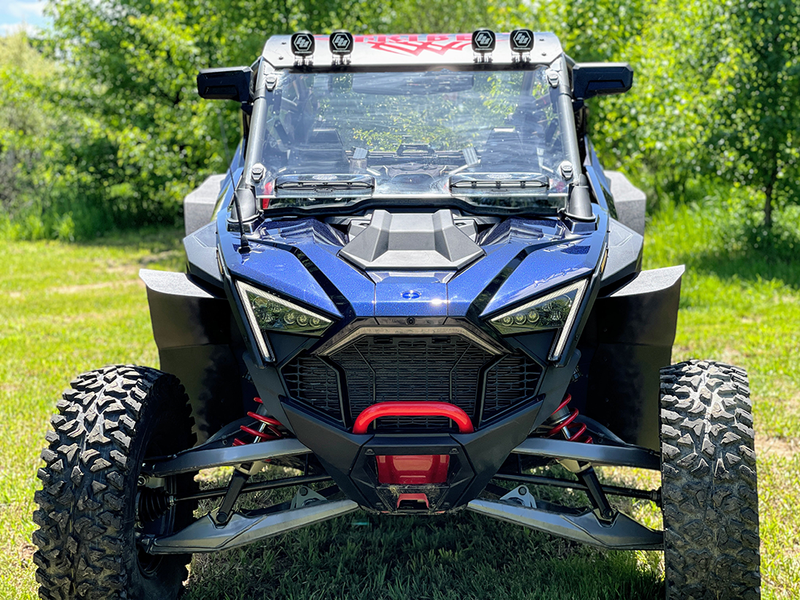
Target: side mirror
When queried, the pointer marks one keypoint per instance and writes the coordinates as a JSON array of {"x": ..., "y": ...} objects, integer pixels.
[
  {"x": 227, "y": 83},
  {"x": 600, "y": 79}
]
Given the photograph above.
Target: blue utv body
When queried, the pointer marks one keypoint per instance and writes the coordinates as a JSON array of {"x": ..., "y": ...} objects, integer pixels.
[{"x": 410, "y": 283}]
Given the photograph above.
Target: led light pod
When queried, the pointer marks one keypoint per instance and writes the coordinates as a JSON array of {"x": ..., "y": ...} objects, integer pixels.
[
  {"x": 340, "y": 42},
  {"x": 267, "y": 312},
  {"x": 521, "y": 40},
  {"x": 302, "y": 44},
  {"x": 556, "y": 310},
  {"x": 483, "y": 40}
]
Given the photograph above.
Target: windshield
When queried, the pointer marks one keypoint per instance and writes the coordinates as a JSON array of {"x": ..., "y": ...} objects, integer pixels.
[{"x": 489, "y": 138}]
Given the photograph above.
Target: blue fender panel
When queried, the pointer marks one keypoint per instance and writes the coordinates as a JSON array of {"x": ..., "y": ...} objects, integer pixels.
[{"x": 545, "y": 270}]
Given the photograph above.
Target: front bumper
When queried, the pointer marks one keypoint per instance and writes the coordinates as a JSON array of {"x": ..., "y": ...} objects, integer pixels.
[
  {"x": 351, "y": 459},
  {"x": 474, "y": 458}
]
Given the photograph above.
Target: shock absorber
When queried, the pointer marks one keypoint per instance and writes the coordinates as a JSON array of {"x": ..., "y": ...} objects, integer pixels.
[
  {"x": 152, "y": 504},
  {"x": 560, "y": 422},
  {"x": 267, "y": 428}
]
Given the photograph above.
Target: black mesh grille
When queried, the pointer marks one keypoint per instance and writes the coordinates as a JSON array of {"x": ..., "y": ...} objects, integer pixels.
[
  {"x": 409, "y": 368},
  {"x": 421, "y": 424},
  {"x": 510, "y": 381},
  {"x": 312, "y": 381},
  {"x": 400, "y": 368}
]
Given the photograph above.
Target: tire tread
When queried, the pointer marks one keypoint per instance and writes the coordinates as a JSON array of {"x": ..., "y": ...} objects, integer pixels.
[
  {"x": 710, "y": 499},
  {"x": 83, "y": 541}
]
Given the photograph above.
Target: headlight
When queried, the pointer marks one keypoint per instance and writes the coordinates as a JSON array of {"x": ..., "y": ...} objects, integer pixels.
[
  {"x": 270, "y": 313},
  {"x": 556, "y": 310}
]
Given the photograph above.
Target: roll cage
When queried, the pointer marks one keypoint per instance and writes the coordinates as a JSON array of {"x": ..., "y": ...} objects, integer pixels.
[{"x": 574, "y": 83}]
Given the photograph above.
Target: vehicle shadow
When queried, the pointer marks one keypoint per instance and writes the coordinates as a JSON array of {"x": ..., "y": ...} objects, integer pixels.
[
  {"x": 151, "y": 247},
  {"x": 457, "y": 556}
]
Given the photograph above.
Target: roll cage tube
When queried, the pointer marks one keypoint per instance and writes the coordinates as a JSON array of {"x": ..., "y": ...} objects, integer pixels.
[
  {"x": 579, "y": 205},
  {"x": 258, "y": 123}
]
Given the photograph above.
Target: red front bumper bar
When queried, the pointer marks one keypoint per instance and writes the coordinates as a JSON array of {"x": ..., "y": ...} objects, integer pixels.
[{"x": 413, "y": 409}]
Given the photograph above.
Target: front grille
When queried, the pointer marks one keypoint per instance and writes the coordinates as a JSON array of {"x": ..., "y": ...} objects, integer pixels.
[
  {"x": 510, "y": 381},
  {"x": 418, "y": 424},
  {"x": 397, "y": 368},
  {"x": 411, "y": 368},
  {"x": 311, "y": 380}
]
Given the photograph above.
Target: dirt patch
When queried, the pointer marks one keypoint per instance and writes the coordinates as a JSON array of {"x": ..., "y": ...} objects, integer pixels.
[
  {"x": 26, "y": 554},
  {"x": 751, "y": 319},
  {"x": 731, "y": 356},
  {"x": 9, "y": 387},
  {"x": 793, "y": 403},
  {"x": 680, "y": 353},
  {"x": 778, "y": 447}
]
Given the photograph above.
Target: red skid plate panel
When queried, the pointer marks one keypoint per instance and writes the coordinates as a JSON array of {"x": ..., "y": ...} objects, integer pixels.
[{"x": 413, "y": 469}]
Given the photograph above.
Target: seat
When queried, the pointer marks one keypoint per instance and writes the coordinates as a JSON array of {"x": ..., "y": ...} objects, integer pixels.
[
  {"x": 504, "y": 151},
  {"x": 323, "y": 153}
]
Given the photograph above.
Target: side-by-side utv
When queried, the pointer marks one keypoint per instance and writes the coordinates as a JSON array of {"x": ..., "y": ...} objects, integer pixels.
[{"x": 414, "y": 283}]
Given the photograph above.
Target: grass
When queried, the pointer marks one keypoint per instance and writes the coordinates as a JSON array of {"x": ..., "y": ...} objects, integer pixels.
[
  {"x": 742, "y": 306},
  {"x": 68, "y": 308}
]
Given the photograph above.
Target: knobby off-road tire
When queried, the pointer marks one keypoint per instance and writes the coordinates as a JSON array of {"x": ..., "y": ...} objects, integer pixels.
[
  {"x": 710, "y": 504},
  {"x": 107, "y": 423}
]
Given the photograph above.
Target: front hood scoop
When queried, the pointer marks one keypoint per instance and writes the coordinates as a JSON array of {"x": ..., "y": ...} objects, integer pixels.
[{"x": 411, "y": 241}]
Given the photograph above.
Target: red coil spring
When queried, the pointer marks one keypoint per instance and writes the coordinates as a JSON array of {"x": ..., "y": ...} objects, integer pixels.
[
  {"x": 561, "y": 424},
  {"x": 267, "y": 430}
]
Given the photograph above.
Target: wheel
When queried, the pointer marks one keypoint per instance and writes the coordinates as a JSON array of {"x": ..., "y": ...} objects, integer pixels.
[
  {"x": 708, "y": 470},
  {"x": 91, "y": 508}
]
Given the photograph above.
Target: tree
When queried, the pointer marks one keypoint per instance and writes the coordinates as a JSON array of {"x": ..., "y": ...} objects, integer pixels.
[
  {"x": 32, "y": 130},
  {"x": 147, "y": 138},
  {"x": 759, "y": 100},
  {"x": 660, "y": 130}
]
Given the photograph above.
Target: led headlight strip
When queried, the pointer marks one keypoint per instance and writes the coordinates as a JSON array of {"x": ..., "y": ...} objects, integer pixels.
[
  {"x": 556, "y": 310},
  {"x": 267, "y": 312}
]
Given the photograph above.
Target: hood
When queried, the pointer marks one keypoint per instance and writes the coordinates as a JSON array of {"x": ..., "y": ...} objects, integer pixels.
[{"x": 434, "y": 264}]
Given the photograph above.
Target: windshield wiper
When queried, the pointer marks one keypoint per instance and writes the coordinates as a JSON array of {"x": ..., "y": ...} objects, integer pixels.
[
  {"x": 329, "y": 184},
  {"x": 467, "y": 183}
]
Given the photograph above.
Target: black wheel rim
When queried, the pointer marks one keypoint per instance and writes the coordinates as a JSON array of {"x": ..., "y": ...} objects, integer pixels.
[{"x": 164, "y": 524}]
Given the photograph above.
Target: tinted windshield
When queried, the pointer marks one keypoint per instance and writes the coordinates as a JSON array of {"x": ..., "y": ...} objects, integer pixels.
[{"x": 489, "y": 138}]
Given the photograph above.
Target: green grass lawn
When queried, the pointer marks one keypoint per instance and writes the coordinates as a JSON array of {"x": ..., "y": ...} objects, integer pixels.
[{"x": 69, "y": 308}]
